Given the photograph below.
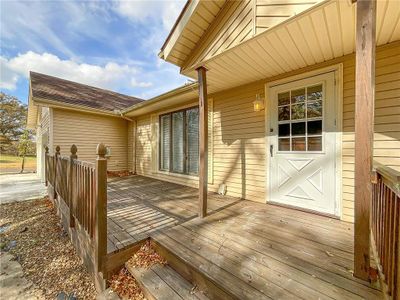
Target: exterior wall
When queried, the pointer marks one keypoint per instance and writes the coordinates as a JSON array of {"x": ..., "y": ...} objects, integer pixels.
[
  {"x": 42, "y": 140},
  {"x": 387, "y": 119},
  {"x": 233, "y": 25},
  {"x": 238, "y": 150},
  {"x": 239, "y": 143},
  {"x": 240, "y": 20},
  {"x": 131, "y": 146},
  {"x": 86, "y": 131}
]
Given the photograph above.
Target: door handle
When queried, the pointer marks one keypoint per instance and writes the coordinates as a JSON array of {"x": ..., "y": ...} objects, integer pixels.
[{"x": 271, "y": 150}]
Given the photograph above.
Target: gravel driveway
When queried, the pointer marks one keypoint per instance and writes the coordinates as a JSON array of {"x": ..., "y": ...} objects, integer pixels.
[{"x": 20, "y": 187}]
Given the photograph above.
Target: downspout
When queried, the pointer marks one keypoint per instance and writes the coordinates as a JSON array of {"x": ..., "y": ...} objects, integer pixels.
[{"x": 134, "y": 138}]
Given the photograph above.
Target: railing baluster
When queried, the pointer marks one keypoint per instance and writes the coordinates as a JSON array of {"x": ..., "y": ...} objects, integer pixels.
[{"x": 385, "y": 226}]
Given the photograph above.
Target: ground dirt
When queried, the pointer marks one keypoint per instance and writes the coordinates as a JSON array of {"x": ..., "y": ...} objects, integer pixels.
[{"x": 30, "y": 231}]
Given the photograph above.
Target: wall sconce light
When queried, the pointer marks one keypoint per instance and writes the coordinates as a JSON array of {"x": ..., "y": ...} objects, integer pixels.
[{"x": 258, "y": 104}]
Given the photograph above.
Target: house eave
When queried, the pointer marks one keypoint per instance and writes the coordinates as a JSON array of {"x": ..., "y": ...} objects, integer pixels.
[
  {"x": 174, "y": 97},
  {"x": 79, "y": 108}
]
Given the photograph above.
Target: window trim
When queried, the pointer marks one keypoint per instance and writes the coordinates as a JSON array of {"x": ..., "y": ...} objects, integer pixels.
[{"x": 185, "y": 144}]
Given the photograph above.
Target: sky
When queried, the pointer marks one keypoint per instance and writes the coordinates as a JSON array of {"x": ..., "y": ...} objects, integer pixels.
[{"x": 108, "y": 44}]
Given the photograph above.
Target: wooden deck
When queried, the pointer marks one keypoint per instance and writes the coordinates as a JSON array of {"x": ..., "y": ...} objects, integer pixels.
[
  {"x": 139, "y": 206},
  {"x": 252, "y": 250}
]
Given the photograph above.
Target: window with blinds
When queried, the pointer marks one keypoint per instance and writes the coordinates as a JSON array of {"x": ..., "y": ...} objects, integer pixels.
[{"x": 179, "y": 141}]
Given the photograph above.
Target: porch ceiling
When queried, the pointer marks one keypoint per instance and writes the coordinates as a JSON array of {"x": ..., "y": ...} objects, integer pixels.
[{"x": 322, "y": 33}]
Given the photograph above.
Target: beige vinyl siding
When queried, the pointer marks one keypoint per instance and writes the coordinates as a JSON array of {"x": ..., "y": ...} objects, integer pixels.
[
  {"x": 192, "y": 32},
  {"x": 387, "y": 119},
  {"x": 269, "y": 13},
  {"x": 131, "y": 146},
  {"x": 239, "y": 143},
  {"x": 86, "y": 130},
  {"x": 233, "y": 25},
  {"x": 240, "y": 20}
]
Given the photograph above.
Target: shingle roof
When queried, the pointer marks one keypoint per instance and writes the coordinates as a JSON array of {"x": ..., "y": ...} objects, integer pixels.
[{"x": 73, "y": 93}]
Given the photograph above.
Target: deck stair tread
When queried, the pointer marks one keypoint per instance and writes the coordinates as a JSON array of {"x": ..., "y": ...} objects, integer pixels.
[
  {"x": 215, "y": 261},
  {"x": 161, "y": 282}
]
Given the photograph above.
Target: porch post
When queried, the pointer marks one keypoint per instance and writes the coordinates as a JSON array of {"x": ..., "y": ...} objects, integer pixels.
[
  {"x": 101, "y": 208},
  {"x": 364, "y": 133},
  {"x": 203, "y": 142}
]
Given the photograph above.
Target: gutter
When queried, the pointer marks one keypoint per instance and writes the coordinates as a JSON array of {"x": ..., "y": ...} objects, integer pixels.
[{"x": 180, "y": 90}]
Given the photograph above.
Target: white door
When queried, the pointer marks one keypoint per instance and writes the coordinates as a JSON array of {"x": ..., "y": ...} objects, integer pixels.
[{"x": 302, "y": 143}]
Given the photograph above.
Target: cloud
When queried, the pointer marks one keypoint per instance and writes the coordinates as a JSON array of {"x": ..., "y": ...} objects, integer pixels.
[
  {"x": 141, "y": 11},
  {"x": 135, "y": 83},
  {"x": 8, "y": 78},
  {"x": 110, "y": 76}
]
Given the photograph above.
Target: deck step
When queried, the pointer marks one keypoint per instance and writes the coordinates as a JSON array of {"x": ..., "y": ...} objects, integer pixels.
[
  {"x": 161, "y": 282},
  {"x": 199, "y": 271}
]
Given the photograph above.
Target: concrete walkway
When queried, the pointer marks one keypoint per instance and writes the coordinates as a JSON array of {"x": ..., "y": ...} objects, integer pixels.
[{"x": 20, "y": 187}]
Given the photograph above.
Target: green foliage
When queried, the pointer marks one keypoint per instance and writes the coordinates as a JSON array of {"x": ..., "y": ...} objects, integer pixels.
[
  {"x": 13, "y": 115},
  {"x": 26, "y": 146}
]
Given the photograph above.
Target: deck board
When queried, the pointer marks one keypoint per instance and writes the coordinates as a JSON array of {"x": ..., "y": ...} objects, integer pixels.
[{"x": 251, "y": 249}]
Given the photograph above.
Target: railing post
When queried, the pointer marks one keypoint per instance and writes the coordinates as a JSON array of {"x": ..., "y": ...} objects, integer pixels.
[
  {"x": 101, "y": 208},
  {"x": 71, "y": 186},
  {"x": 57, "y": 154},
  {"x": 46, "y": 165}
]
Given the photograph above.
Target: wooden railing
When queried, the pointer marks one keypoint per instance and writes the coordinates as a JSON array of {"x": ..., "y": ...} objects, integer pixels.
[
  {"x": 82, "y": 188},
  {"x": 385, "y": 227}
]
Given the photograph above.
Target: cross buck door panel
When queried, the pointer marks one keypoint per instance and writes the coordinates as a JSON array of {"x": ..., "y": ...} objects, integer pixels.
[{"x": 302, "y": 143}]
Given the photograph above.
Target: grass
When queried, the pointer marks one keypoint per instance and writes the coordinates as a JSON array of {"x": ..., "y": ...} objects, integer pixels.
[{"x": 12, "y": 164}]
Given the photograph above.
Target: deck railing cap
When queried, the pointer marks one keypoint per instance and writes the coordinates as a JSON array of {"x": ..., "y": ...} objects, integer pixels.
[{"x": 387, "y": 172}]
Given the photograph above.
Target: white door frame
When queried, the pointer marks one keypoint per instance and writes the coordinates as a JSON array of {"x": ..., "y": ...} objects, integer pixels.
[{"x": 338, "y": 90}]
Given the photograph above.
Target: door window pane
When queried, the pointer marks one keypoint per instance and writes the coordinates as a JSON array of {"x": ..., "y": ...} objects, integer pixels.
[
  {"x": 284, "y": 145},
  {"x": 315, "y": 143},
  {"x": 192, "y": 120},
  {"x": 314, "y": 92},
  {"x": 298, "y": 144},
  {"x": 165, "y": 141},
  {"x": 283, "y": 98},
  {"x": 177, "y": 142},
  {"x": 298, "y": 96},
  {"x": 299, "y": 128},
  {"x": 283, "y": 113},
  {"x": 284, "y": 129},
  {"x": 298, "y": 111},
  {"x": 314, "y": 127},
  {"x": 314, "y": 109}
]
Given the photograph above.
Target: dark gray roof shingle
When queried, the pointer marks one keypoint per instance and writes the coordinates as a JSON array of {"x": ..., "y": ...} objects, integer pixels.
[{"x": 73, "y": 93}]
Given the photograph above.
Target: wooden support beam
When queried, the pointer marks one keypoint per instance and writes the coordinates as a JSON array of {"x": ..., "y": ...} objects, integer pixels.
[
  {"x": 364, "y": 133},
  {"x": 101, "y": 209},
  {"x": 203, "y": 141}
]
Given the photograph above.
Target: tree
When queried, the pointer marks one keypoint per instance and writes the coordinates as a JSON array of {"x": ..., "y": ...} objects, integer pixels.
[
  {"x": 13, "y": 115},
  {"x": 25, "y": 146}
]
